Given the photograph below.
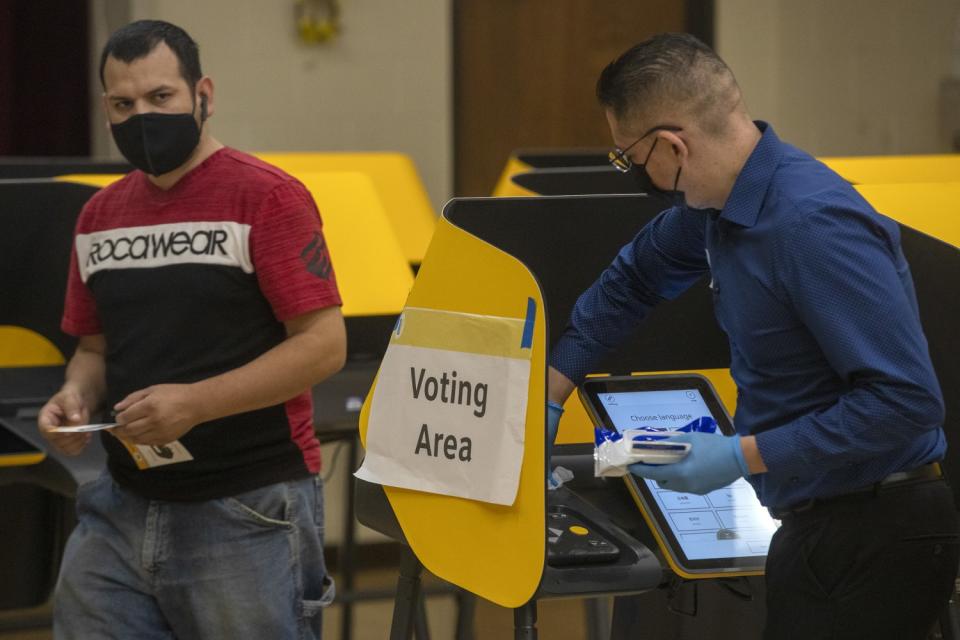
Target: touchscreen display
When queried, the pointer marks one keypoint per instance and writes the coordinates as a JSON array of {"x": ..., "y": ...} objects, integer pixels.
[{"x": 726, "y": 523}]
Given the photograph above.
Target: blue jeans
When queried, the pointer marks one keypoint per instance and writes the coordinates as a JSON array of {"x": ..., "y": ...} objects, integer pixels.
[{"x": 247, "y": 566}]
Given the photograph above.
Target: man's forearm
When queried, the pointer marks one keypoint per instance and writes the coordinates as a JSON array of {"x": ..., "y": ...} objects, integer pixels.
[
  {"x": 294, "y": 365},
  {"x": 86, "y": 375},
  {"x": 751, "y": 455},
  {"x": 559, "y": 386}
]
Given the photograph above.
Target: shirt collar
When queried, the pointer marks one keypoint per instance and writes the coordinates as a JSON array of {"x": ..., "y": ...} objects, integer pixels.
[{"x": 750, "y": 188}]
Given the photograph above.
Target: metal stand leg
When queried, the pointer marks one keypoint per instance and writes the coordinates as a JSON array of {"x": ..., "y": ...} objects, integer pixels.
[
  {"x": 408, "y": 597},
  {"x": 950, "y": 616},
  {"x": 420, "y": 628},
  {"x": 466, "y": 605},
  {"x": 598, "y": 618},
  {"x": 348, "y": 547},
  {"x": 525, "y": 621}
]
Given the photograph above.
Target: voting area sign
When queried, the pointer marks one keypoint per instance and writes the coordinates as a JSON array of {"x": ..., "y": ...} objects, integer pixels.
[{"x": 448, "y": 412}]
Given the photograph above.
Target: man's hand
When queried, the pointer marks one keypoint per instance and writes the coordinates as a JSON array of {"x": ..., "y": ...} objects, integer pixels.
[
  {"x": 66, "y": 408},
  {"x": 158, "y": 415},
  {"x": 713, "y": 462}
]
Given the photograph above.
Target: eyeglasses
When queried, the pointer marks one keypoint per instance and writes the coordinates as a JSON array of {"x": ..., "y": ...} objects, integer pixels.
[{"x": 618, "y": 157}]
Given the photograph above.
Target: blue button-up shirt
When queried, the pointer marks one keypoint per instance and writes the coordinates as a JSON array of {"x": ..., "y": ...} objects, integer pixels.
[{"x": 812, "y": 289}]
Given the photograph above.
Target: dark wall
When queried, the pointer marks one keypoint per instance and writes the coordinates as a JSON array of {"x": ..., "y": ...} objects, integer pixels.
[
  {"x": 44, "y": 97},
  {"x": 36, "y": 231}
]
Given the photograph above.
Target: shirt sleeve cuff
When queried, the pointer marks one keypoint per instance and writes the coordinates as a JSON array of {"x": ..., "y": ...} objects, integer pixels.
[
  {"x": 306, "y": 305},
  {"x": 77, "y": 329},
  {"x": 778, "y": 449},
  {"x": 573, "y": 359}
]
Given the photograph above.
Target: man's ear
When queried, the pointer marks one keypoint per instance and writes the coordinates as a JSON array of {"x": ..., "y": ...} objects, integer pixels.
[
  {"x": 205, "y": 94},
  {"x": 677, "y": 144},
  {"x": 105, "y": 106}
]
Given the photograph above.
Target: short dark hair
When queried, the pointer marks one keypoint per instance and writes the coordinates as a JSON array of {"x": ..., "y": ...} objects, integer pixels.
[
  {"x": 674, "y": 70},
  {"x": 137, "y": 39}
]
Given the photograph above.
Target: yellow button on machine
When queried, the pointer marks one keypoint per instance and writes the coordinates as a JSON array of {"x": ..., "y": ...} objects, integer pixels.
[{"x": 578, "y": 530}]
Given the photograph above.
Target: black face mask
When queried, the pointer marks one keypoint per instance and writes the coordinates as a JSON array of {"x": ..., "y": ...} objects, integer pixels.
[
  {"x": 645, "y": 184},
  {"x": 158, "y": 143}
]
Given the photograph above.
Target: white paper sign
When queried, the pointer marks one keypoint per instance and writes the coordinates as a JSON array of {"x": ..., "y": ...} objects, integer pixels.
[{"x": 448, "y": 413}]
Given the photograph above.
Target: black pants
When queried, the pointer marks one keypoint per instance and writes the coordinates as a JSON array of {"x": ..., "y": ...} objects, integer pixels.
[{"x": 865, "y": 567}]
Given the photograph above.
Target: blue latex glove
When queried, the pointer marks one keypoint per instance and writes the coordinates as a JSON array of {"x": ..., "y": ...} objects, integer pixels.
[
  {"x": 713, "y": 462},
  {"x": 554, "y": 411}
]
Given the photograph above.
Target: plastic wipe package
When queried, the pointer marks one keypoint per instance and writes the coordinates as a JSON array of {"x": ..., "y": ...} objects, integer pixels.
[{"x": 615, "y": 451}]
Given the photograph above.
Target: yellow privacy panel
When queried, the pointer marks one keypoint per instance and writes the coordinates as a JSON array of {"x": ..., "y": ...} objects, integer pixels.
[
  {"x": 931, "y": 208},
  {"x": 397, "y": 183},
  {"x": 505, "y": 186},
  {"x": 372, "y": 272},
  {"x": 492, "y": 550},
  {"x": 576, "y": 426},
  {"x": 21, "y": 347},
  {"x": 894, "y": 169},
  {"x": 99, "y": 180}
]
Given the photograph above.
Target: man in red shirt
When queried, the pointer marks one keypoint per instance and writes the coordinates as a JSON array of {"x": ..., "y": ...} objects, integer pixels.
[{"x": 204, "y": 298}]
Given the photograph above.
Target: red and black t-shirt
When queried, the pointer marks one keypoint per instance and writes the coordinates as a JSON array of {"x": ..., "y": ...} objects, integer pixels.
[{"x": 190, "y": 283}]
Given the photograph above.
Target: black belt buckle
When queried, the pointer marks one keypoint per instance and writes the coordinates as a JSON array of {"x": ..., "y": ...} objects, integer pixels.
[
  {"x": 803, "y": 507},
  {"x": 926, "y": 473}
]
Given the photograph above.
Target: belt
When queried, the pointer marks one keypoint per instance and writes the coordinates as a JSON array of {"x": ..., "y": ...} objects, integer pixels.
[{"x": 926, "y": 473}]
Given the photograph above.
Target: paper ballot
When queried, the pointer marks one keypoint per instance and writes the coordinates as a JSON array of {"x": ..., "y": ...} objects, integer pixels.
[{"x": 83, "y": 428}]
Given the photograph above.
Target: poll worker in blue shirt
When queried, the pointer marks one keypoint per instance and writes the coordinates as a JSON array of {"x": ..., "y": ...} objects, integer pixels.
[{"x": 839, "y": 413}]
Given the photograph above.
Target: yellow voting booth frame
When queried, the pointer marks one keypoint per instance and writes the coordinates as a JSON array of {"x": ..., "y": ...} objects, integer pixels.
[
  {"x": 906, "y": 169},
  {"x": 395, "y": 179},
  {"x": 859, "y": 170},
  {"x": 494, "y": 551},
  {"x": 932, "y": 208},
  {"x": 21, "y": 347},
  {"x": 505, "y": 186}
]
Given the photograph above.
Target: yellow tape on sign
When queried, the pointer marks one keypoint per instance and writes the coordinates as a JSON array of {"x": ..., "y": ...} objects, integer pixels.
[
  {"x": 466, "y": 332},
  {"x": 448, "y": 414}
]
